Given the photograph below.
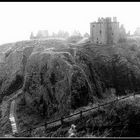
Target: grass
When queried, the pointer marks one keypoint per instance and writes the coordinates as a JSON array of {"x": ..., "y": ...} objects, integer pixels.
[
  {"x": 103, "y": 123},
  {"x": 115, "y": 120},
  {"x": 26, "y": 117}
]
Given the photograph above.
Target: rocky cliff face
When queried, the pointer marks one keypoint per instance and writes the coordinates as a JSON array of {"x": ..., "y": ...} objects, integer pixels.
[
  {"x": 54, "y": 82},
  {"x": 54, "y": 77},
  {"x": 51, "y": 78}
]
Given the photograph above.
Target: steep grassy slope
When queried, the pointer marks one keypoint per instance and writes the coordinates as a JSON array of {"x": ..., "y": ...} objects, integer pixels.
[
  {"x": 53, "y": 83},
  {"x": 115, "y": 120},
  {"x": 56, "y": 78}
]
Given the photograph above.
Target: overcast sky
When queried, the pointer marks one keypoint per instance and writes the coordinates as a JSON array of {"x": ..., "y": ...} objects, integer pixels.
[{"x": 18, "y": 19}]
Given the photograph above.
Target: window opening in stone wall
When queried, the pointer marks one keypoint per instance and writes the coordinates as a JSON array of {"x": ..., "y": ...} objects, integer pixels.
[{"x": 100, "y": 32}]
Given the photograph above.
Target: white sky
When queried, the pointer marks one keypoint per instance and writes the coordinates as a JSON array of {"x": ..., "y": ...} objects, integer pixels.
[{"x": 18, "y": 19}]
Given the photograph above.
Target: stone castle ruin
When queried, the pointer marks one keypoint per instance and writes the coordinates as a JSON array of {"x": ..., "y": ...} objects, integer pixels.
[
  {"x": 137, "y": 31},
  {"x": 106, "y": 31},
  {"x": 40, "y": 35}
]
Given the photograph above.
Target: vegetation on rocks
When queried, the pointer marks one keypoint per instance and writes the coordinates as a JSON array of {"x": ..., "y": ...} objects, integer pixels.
[{"x": 56, "y": 77}]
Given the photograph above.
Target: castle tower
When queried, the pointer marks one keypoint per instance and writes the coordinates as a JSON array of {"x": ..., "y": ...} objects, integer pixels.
[{"x": 105, "y": 31}]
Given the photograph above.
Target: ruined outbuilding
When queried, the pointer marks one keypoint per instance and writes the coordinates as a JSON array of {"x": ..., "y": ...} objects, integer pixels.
[
  {"x": 105, "y": 31},
  {"x": 137, "y": 31}
]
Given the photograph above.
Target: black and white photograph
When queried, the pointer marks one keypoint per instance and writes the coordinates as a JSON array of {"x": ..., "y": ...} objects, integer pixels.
[{"x": 69, "y": 70}]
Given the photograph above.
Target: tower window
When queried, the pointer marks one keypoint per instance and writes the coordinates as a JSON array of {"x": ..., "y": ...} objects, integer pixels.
[{"x": 100, "y": 32}]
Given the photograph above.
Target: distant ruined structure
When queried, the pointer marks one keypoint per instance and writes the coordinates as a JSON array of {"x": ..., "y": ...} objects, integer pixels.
[
  {"x": 40, "y": 34},
  {"x": 106, "y": 31},
  {"x": 137, "y": 31}
]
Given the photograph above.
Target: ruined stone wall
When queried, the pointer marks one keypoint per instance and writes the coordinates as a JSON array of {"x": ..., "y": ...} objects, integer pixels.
[
  {"x": 98, "y": 33},
  {"x": 122, "y": 33},
  {"x": 115, "y": 27},
  {"x": 93, "y": 34},
  {"x": 103, "y": 31},
  {"x": 112, "y": 33}
]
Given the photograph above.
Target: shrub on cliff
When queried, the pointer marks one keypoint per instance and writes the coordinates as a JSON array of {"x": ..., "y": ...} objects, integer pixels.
[{"x": 115, "y": 120}]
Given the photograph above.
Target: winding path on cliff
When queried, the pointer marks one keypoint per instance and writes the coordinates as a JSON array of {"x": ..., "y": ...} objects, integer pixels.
[
  {"x": 12, "y": 113},
  {"x": 13, "y": 118}
]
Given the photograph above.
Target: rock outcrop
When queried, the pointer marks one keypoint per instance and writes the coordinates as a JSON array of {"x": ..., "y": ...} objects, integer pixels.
[{"x": 54, "y": 77}]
